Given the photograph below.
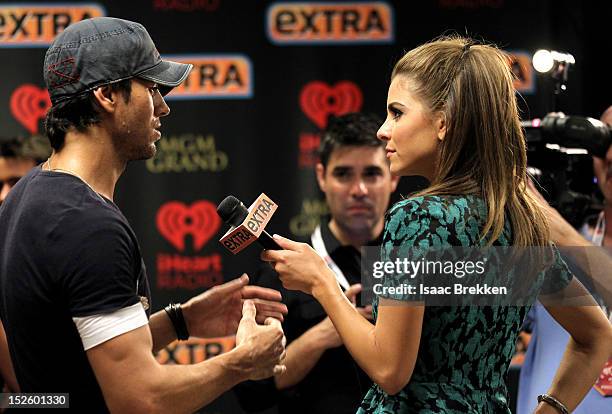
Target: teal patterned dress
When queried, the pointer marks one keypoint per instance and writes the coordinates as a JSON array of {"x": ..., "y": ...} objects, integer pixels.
[{"x": 465, "y": 351}]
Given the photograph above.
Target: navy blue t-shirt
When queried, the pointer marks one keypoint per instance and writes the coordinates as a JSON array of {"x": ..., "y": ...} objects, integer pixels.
[{"x": 65, "y": 251}]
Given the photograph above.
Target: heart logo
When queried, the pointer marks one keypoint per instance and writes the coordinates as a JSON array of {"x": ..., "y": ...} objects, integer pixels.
[
  {"x": 29, "y": 104},
  {"x": 175, "y": 220},
  {"x": 319, "y": 100}
]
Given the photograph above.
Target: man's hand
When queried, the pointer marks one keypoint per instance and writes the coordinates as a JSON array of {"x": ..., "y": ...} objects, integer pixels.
[
  {"x": 264, "y": 346},
  {"x": 217, "y": 311},
  {"x": 351, "y": 293},
  {"x": 326, "y": 334}
]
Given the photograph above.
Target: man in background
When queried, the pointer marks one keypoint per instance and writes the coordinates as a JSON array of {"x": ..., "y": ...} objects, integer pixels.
[{"x": 17, "y": 156}]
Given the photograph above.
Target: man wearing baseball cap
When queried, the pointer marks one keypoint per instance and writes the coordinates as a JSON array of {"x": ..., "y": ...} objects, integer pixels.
[{"x": 74, "y": 295}]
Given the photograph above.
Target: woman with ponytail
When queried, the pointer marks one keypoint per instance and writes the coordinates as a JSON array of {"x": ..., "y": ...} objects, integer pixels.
[{"x": 452, "y": 117}]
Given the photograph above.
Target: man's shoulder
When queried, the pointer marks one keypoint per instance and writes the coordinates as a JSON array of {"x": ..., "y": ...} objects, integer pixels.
[
  {"x": 59, "y": 204},
  {"x": 87, "y": 210},
  {"x": 96, "y": 225}
]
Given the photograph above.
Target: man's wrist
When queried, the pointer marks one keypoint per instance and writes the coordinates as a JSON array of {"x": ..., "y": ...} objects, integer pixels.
[
  {"x": 318, "y": 341},
  {"x": 175, "y": 313},
  {"x": 186, "y": 308},
  {"x": 239, "y": 362}
]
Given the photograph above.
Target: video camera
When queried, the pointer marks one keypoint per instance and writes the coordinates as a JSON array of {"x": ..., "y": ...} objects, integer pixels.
[{"x": 559, "y": 156}]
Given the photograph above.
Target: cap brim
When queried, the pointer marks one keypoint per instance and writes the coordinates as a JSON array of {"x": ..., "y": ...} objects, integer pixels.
[{"x": 167, "y": 74}]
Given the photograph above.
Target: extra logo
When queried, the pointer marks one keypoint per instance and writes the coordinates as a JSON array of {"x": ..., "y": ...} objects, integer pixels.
[
  {"x": 29, "y": 104},
  {"x": 215, "y": 77},
  {"x": 176, "y": 222},
  {"x": 194, "y": 350},
  {"x": 330, "y": 23},
  {"x": 320, "y": 100},
  {"x": 260, "y": 212},
  {"x": 522, "y": 69},
  {"x": 37, "y": 24}
]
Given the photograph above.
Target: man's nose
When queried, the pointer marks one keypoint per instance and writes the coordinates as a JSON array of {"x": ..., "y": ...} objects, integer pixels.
[
  {"x": 359, "y": 188},
  {"x": 161, "y": 107}
]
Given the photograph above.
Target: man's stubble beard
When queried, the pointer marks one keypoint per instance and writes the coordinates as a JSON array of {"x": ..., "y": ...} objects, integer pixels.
[{"x": 124, "y": 146}]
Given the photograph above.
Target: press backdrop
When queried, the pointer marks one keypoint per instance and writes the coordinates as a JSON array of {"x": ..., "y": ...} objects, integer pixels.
[{"x": 267, "y": 76}]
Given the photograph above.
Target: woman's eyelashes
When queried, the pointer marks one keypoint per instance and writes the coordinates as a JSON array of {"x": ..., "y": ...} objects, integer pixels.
[{"x": 396, "y": 113}]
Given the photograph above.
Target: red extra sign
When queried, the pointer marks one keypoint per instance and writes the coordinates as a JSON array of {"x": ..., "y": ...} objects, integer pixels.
[{"x": 177, "y": 223}]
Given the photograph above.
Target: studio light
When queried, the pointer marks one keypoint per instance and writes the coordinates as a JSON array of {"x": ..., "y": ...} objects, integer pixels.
[
  {"x": 557, "y": 65},
  {"x": 545, "y": 60}
]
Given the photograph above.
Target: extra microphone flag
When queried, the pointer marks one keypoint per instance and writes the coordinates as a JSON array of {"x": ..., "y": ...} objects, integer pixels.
[{"x": 248, "y": 225}]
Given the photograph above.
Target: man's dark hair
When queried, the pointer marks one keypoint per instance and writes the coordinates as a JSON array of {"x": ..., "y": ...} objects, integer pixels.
[
  {"x": 355, "y": 129},
  {"x": 35, "y": 147},
  {"x": 78, "y": 113}
]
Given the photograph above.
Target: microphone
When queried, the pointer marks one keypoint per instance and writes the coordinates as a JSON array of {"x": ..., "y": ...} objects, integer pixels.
[{"x": 247, "y": 224}]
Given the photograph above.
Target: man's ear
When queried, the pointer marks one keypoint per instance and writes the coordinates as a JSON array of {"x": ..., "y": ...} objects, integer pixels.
[
  {"x": 440, "y": 125},
  {"x": 105, "y": 98},
  {"x": 320, "y": 171}
]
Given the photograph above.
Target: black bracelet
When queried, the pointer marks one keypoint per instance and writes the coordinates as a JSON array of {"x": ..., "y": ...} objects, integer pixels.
[
  {"x": 549, "y": 399},
  {"x": 175, "y": 313}
]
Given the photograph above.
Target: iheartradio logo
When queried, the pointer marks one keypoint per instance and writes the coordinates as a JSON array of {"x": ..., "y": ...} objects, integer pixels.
[
  {"x": 319, "y": 100},
  {"x": 29, "y": 104},
  {"x": 175, "y": 220}
]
